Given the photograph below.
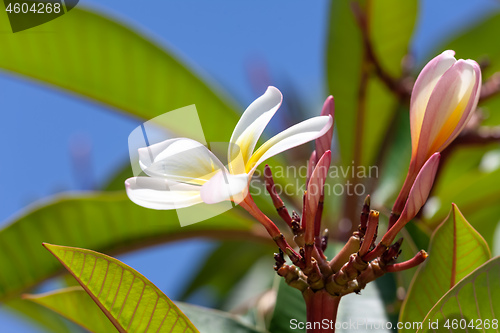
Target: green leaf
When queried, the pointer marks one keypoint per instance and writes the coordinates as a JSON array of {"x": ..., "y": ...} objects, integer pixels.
[
  {"x": 107, "y": 222},
  {"x": 394, "y": 161},
  {"x": 210, "y": 321},
  {"x": 76, "y": 305},
  {"x": 96, "y": 57},
  {"x": 475, "y": 43},
  {"x": 344, "y": 70},
  {"x": 238, "y": 255},
  {"x": 473, "y": 298},
  {"x": 390, "y": 44},
  {"x": 254, "y": 288},
  {"x": 129, "y": 300},
  {"x": 344, "y": 58},
  {"x": 290, "y": 305},
  {"x": 41, "y": 316},
  {"x": 117, "y": 180},
  {"x": 365, "y": 308},
  {"x": 381, "y": 107},
  {"x": 474, "y": 189},
  {"x": 455, "y": 250}
]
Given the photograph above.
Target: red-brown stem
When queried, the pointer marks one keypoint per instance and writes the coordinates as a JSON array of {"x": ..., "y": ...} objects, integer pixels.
[
  {"x": 302, "y": 220},
  {"x": 314, "y": 199},
  {"x": 323, "y": 264},
  {"x": 317, "y": 222},
  {"x": 482, "y": 136},
  {"x": 374, "y": 270},
  {"x": 400, "y": 202},
  {"x": 376, "y": 252},
  {"x": 415, "y": 261},
  {"x": 393, "y": 231},
  {"x": 308, "y": 227},
  {"x": 277, "y": 202},
  {"x": 308, "y": 251},
  {"x": 370, "y": 232},
  {"x": 321, "y": 309},
  {"x": 491, "y": 87},
  {"x": 393, "y": 84},
  {"x": 308, "y": 223},
  {"x": 249, "y": 205}
]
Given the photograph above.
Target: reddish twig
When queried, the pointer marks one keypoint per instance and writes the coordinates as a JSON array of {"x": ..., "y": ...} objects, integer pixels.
[
  {"x": 415, "y": 261},
  {"x": 490, "y": 88},
  {"x": 249, "y": 205},
  {"x": 395, "y": 85},
  {"x": 277, "y": 202}
]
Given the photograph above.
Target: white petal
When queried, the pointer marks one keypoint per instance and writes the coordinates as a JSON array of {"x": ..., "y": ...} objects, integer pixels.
[
  {"x": 179, "y": 159},
  {"x": 294, "y": 136},
  {"x": 163, "y": 194},
  {"x": 224, "y": 186},
  {"x": 252, "y": 124}
]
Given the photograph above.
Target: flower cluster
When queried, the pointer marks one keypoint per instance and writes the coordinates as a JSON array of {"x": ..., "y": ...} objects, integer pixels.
[{"x": 183, "y": 172}]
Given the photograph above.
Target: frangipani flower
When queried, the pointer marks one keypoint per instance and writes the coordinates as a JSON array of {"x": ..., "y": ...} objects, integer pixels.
[
  {"x": 442, "y": 101},
  {"x": 183, "y": 172}
]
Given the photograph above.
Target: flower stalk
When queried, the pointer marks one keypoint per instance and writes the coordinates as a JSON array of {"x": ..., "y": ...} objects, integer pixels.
[
  {"x": 277, "y": 202},
  {"x": 321, "y": 310},
  {"x": 249, "y": 205},
  {"x": 414, "y": 262}
]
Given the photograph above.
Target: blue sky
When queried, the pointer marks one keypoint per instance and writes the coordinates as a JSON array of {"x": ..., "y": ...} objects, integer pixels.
[{"x": 221, "y": 39}]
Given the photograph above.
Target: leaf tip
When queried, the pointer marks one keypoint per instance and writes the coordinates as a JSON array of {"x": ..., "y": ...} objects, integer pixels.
[{"x": 49, "y": 247}]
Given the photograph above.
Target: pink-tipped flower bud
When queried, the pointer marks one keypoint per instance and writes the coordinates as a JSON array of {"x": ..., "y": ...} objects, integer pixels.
[
  {"x": 314, "y": 193},
  {"x": 324, "y": 142},
  {"x": 443, "y": 99}
]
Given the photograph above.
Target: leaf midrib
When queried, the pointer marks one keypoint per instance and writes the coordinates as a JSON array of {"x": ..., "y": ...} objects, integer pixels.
[{"x": 87, "y": 290}]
